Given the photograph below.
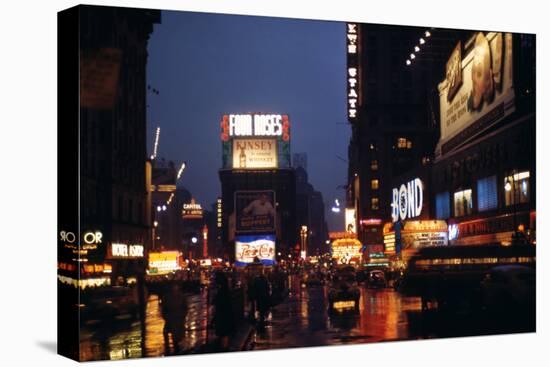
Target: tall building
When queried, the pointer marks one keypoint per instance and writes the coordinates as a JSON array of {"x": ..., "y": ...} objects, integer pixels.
[
  {"x": 114, "y": 192},
  {"x": 391, "y": 113},
  {"x": 484, "y": 174},
  {"x": 258, "y": 195},
  {"x": 310, "y": 211}
]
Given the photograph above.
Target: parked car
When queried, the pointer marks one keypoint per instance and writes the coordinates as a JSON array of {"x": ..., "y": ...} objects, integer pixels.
[
  {"x": 344, "y": 293},
  {"x": 376, "y": 279},
  {"x": 509, "y": 287}
]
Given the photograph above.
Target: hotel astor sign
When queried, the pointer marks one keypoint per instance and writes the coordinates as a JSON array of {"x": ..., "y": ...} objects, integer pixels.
[{"x": 407, "y": 200}]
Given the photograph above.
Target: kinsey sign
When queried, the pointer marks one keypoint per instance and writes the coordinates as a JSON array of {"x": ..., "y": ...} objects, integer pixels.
[
  {"x": 254, "y": 153},
  {"x": 407, "y": 200}
]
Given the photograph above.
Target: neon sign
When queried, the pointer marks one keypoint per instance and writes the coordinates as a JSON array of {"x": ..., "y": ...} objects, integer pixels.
[
  {"x": 352, "y": 41},
  {"x": 407, "y": 200}
]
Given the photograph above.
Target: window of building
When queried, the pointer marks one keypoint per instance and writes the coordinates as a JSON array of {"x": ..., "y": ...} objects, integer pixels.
[
  {"x": 404, "y": 143},
  {"x": 442, "y": 205},
  {"x": 374, "y": 165},
  {"x": 374, "y": 203},
  {"x": 463, "y": 203},
  {"x": 487, "y": 197},
  {"x": 374, "y": 184},
  {"x": 516, "y": 189}
]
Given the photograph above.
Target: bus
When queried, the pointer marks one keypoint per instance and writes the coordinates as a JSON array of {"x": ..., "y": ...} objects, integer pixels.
[{"x": 452, "y": 275}]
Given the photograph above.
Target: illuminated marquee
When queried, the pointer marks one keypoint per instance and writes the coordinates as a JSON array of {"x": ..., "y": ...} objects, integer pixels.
[
  {"x": 353, "y": 83},
  {"x": 124, "y": 250},
  {"x": 407, "y": 200},
  {"x": 192, "y": 210}
]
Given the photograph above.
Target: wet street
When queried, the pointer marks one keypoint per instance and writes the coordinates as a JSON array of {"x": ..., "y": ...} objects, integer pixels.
[
  {"x": 301, "y": 320},
  {"x": 121, "y": 339},
  {"x": 304, "y": 321}
]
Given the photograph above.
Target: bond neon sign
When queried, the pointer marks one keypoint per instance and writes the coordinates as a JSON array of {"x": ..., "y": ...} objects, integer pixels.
[{"x": 407, "y": 200}]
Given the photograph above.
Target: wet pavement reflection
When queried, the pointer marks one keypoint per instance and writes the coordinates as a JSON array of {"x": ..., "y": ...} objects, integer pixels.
[
  {"x": 301, "y": 320},
  {"x": 304, "y": 320},
  {"x": 121, "y": 339}
]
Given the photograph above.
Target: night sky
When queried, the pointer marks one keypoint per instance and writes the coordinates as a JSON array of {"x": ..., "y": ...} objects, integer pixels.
[{"x": 205, "y": 65}]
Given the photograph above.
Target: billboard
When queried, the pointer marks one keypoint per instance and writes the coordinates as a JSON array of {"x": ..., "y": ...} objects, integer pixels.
[
  {"x": 255, "y": 141},
  {"x": 478, "y": 89},
  {"x": 254, "y": 153},
  {"x": 347, "y": 251},
  {"x": 255, "y": 211},
  {"x": 251, "y": 247},
  {"x": 350, "y": 220}
]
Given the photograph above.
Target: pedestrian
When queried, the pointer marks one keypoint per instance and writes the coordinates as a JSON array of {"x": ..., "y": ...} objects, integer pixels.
[
  {"x": 263, "y": 297},
  {"x": 174, "y": 311},
  {"x": 224, "y": 322}
]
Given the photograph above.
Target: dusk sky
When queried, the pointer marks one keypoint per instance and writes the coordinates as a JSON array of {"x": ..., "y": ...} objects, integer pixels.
[{"x": 205, "y": 65}]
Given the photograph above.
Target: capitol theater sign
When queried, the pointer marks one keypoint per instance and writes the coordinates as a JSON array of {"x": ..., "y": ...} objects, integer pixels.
[{"x": 407, "y": 200}]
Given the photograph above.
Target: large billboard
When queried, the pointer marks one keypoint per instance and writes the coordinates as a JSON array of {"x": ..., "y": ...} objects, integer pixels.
[
  {"x": 255, "y": 141},
  {"x": 253, "y": 248},
  {"x": 478, "y": 89},
  {"x": 254, "y": 153},
  {"x": 255, "y": 211},
  {"x": 350, "y": 220}
]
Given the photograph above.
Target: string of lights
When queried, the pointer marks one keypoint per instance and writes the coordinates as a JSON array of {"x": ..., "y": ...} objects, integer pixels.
[{"x": 421, "y": 41}]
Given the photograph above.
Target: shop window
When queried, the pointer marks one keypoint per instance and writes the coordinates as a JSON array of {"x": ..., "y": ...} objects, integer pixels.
[
  {"x": 463, "y": 203},
  {"x": 374, "y": 203},
  {"x": 516, "y": 189},
  {"x": 374, "y": 184},
  {"x": 487, "y": 197},
  {"x": 404, "y": 143},
  {"x": 374, "y": 165},
  {"x": 442, "y": 205}
]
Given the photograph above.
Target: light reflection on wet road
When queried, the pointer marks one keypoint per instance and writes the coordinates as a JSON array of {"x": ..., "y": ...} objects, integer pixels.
[
  {"x": 121, "y": 339},
  {"x": 304, "y": 321}
]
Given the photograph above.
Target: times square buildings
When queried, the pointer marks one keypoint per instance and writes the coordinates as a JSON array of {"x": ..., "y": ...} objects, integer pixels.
[{"x": 443, "y": 137}]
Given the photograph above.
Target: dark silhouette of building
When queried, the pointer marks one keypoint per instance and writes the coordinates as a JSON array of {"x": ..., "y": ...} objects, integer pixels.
[
  {"x": 310, "y": 211},
  {"x": 393, "y": 117},
  {"x": 114, "y": 192}
]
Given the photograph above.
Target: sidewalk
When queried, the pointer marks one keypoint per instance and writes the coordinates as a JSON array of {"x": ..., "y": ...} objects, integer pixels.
[{"x": 238, "y": 342}]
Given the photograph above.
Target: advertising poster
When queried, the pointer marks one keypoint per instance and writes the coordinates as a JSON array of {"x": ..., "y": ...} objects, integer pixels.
[
  {"x": 481, "y": 93},
  {"x": 255, "y": 211},
  {"x": 347, "y": 251},
  {"x": 255, "y": 247},
  {"x": 254, "y": 153},
  {"x": 350, "y": 220}
]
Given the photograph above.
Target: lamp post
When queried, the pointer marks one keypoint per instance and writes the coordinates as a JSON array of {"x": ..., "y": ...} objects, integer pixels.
[
  {"x": 303, "y": 235},
  {"x": 509, "y": 186}
]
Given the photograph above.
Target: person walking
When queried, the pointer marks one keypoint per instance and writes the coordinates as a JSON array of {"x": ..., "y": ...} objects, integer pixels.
[{"x": 224, "y": 321}]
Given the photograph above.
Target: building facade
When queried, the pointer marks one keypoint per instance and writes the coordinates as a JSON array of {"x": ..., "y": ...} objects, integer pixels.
[{"x": 113, "y": 167}]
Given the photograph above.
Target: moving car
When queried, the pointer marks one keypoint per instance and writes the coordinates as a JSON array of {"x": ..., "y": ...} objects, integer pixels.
[
  {"x": 376, "y": 279},
  {"x": 343, "y": 293},
  {"x": 312, "y": 279}
]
